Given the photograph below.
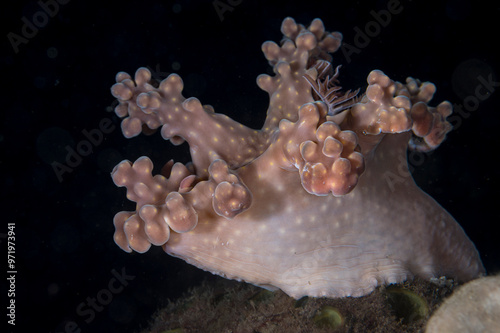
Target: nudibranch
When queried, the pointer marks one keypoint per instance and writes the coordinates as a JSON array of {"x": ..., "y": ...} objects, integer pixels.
[{"x": 318, "y": 202}]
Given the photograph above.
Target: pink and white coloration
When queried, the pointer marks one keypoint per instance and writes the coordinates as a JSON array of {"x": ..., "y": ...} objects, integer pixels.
[{"x": 318, "y": 202}]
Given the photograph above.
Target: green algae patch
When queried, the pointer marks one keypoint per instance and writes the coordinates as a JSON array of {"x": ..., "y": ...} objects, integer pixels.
[
  {"x": 407, "y": 305},
  {"x": 329, "y": 317}
]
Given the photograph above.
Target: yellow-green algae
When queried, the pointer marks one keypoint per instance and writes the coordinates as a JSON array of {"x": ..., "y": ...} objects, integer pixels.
[
  {"x": 406, "y": 304},
  {"x": 329, "y": 317}
]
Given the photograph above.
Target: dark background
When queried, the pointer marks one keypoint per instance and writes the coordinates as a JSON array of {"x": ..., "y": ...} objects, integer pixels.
[{"x": 56, "y": 86}]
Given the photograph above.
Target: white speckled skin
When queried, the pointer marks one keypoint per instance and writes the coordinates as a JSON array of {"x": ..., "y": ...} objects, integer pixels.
[{"x": 332, "y": 246}]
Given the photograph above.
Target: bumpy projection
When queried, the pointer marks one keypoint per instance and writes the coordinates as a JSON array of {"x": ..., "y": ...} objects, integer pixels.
[{"x": 318, "y": 202}]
